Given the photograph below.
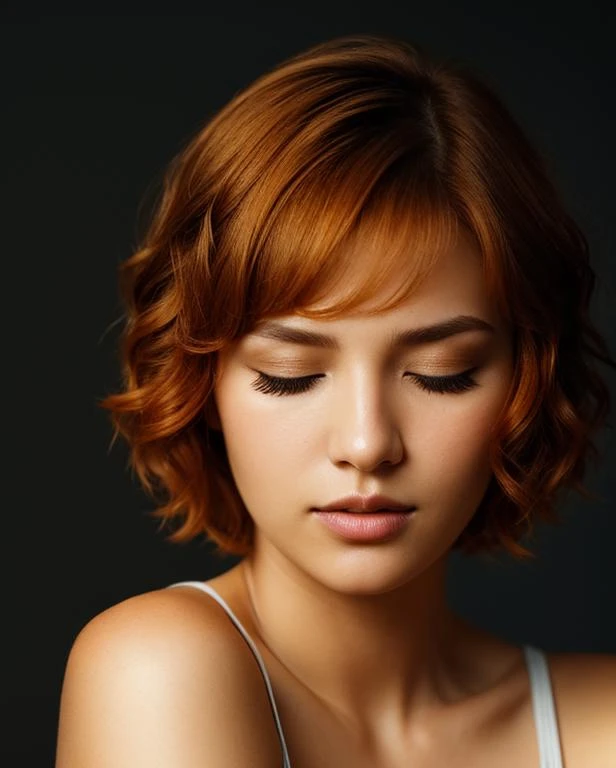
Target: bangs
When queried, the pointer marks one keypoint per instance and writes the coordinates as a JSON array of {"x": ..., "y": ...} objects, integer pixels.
[{"x": 328, "y": 254}]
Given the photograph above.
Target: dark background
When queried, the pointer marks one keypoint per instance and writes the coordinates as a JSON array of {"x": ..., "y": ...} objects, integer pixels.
[{"x": 93, "y": 108}]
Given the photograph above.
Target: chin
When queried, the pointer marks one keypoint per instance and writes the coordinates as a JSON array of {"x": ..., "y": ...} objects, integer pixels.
[{"x": 363, "y": 571}]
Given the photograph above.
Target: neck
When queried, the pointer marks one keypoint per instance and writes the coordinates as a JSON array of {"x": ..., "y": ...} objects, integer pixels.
[{"x": 367, "y": 656}]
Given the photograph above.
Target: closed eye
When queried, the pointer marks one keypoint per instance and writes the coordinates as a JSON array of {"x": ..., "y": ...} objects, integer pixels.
[{"x": 283, "y": 385}]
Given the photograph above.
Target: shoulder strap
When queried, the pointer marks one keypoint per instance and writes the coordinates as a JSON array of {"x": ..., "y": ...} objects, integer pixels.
[
  {"x": 270, "y": 692},
  {"x": 546, "y": 723}
]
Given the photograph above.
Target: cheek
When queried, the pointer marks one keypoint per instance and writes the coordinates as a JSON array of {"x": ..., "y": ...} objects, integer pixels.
[
  {"x": 262, "y": 443},
  {"x": 466, "y": 431},
  {"x": 452, "y": 443}
]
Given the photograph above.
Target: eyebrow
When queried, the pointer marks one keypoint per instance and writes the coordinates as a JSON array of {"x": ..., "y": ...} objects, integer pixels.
[{"x": 423, "y": 335}]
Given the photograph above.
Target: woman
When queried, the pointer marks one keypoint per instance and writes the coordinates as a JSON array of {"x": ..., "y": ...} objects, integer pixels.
[{"x": 357, "y": 338}]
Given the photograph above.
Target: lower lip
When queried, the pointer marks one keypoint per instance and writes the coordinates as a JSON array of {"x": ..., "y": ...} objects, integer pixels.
[{"x": 365, "y": 526}]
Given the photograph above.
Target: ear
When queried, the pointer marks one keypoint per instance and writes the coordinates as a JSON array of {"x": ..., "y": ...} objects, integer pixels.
[{"x": 212, "y": 417}]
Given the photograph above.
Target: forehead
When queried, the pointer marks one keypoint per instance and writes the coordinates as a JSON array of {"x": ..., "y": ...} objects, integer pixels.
[
  {"x": 450, "y": 304},
  {"x": 332, "y": 259},
  {"x": 442, "y": 281},
  {"x": 450, "y": 299}
]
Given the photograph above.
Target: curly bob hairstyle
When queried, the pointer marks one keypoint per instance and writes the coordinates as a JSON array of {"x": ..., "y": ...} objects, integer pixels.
[{"x": 362, "y": 138}]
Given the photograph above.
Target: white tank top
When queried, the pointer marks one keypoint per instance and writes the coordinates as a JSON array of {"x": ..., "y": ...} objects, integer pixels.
[{"x": 544, "y": 711}]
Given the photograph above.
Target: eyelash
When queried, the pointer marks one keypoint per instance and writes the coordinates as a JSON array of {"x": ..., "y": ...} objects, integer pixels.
[{"x": 276, "y": 385}]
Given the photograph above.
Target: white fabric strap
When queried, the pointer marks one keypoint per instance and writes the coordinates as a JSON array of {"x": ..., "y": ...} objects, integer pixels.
[
  {"x": 212, "y": 592},
  {"x": 546, "y": 722}
]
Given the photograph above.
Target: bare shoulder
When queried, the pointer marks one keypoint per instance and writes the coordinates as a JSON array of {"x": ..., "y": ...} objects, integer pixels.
[
  {"x": 585, "y": 694},
  {"x": 164, "y": 678}
]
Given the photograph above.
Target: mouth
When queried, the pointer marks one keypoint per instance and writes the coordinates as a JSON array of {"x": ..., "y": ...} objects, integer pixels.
[
  {"x": 375, "y": 503},
  {"x": 378, "y": 510},
  {"x": 381, "y": 524}
]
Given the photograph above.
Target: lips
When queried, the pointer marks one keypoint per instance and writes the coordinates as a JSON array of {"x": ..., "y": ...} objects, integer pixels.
[
  {"x": 363, "y": 529},
  {"x": 374, "y": 503},
  {"x": 371, "y": 511}
]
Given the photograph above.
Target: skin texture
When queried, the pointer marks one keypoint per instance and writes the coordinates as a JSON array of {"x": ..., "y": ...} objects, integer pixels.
[
  {"x": 366, "y": 426},
  {"x": 369, "y": 665}
]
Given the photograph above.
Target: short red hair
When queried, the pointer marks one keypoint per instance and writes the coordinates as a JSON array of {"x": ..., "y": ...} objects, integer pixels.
[{"x": 360, "y": 138}]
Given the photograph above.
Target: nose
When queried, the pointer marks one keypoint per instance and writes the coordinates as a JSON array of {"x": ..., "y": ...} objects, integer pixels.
[{"x": 364, "y": 431}]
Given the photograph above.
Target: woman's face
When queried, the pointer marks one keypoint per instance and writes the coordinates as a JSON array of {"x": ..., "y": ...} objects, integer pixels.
[{"x": 361, "y": 413}]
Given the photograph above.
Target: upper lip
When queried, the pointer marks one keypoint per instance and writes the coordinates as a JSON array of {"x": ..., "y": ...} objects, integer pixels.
[{"x": 358, "y": 503}]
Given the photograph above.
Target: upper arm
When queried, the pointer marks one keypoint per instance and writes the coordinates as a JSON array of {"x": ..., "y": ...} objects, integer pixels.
[{"x": 163, "y": 681}]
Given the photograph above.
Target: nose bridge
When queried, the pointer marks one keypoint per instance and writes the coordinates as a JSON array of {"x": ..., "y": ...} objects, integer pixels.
[{"x": 364, "y": 429}]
